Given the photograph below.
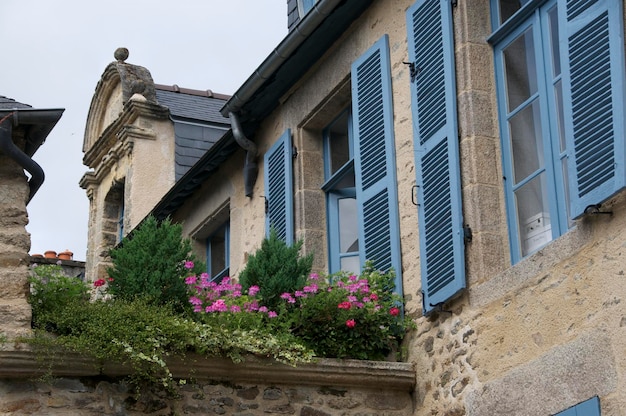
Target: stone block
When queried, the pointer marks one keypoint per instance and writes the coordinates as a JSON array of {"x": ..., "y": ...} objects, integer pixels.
[{"x": 563, "y": 377}]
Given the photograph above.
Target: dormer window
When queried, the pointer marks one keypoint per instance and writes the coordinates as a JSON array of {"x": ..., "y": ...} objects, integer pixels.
[{"x": 304, "y": 6}]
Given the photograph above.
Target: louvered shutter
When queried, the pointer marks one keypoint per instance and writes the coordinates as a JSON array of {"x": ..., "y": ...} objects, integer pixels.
[
  {"x": 374, "y": 159},
  {"x": 593, "y": 90},
  {"x": 431, "y": 50},
  {"x": 279, "y": 188}
]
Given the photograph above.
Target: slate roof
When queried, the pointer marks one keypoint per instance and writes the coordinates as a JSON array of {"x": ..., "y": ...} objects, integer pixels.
[
  {"x": 7, "y": 103},
  {"x": 192, "y": 104}
]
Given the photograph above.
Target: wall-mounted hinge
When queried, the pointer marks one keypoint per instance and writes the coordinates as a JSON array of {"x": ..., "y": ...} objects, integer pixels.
[
  {"x": 467, "y": 233},
  {"x": 595, "y": 209},
  {"x": 414, "y": 70},
  {"x": 267, "y": 204},
  {"x": 295, "y": 152},
  {"x": 454, "y": 3}
]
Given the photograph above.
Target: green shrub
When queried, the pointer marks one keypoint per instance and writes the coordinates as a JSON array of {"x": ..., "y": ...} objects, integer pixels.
[
  {"x": 150, "y": 265},
  {"x": 50, "y": 291},
  {"x": 276, "y": 268}
]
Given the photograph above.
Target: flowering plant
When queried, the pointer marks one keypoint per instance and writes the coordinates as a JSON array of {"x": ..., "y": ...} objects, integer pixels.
[
  {"x": 342, "y": 315},
  {"x": 349, "y": 316}
]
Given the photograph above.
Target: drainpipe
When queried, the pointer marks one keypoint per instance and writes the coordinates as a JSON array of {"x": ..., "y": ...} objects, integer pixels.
[
  {"x": 11, "y": 150},
  {"x": 250, "y": 168}
]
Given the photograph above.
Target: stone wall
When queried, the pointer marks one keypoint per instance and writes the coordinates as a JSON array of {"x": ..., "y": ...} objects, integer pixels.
[
  {"x": 15, "y": 312},
  {"x": 215, "y": 387}
]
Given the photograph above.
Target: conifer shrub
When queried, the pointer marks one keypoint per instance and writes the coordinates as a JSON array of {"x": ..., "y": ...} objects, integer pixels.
[
  {"x": 150, "y": 265},
  {"x": 276, "y": 268}
]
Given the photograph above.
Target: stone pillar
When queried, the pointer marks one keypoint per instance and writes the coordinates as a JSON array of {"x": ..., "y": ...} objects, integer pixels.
[{"x": 15, "y": 312}]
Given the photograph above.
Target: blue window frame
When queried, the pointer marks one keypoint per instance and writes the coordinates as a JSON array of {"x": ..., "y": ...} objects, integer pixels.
[
  {"x": 340, "y": 188},
  {"x": 561, "y": 129},
  {"x": 589, "y": 407},
  {"x": 218, "y": 253}
]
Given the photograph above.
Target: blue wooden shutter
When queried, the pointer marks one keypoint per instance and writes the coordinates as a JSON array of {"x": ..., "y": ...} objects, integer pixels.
[
  {"x": 279, "y": 188},
  {"x": 374, "y": 160},
  {"x": 431, "y": 51},
  {"x": 593, "y": 96}
]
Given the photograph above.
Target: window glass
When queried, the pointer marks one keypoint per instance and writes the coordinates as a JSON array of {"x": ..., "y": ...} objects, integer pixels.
[
  {"x": 348, "y": 225},
  {"x": 509, "y": 7},
  {"x": 521, "y": 71},
  {"x": 526, "y": 141},
  {"x": 533, "y": 215},
  {"x": 339, "y": 143},
  {"x": 217, "y": 253}
]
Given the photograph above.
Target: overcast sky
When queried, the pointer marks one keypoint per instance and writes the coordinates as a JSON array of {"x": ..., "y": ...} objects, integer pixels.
[{"x": 54, "y": 52}]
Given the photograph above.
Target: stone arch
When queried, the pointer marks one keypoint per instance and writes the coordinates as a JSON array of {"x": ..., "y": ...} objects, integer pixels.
[{"x": 117, "y": 84}]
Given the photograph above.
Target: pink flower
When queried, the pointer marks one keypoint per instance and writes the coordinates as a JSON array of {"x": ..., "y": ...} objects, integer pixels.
[
  {"x": 253, "y": 290},
  {"x": 314, "y": 276},
  {"x": 263, "y": 309},
  {"x": 235, "y": 308},
  {"x": 300, "y": 294},
  {"x": 285, "y": 296},
  {"x": 195, "y": 301},
  {"x": 99, "y": 282},
  {"x": 272, "y": 314},
  {"x": 311, "y": 288},
  {"x": 189, "y": 265},
  {"x": 191, "y": 280},
  {"x": 352, "y": 298},
  {"x": 344, "y": 305},
  {"x": 394, "y": 311},
  {"x": 350, "y": 323},
  {"x": 373, "y": 296}
]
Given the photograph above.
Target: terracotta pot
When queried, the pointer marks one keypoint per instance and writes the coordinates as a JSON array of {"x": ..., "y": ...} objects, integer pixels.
[
  {"x": 37, "y": 255},
  {"x": 66, "y": 255},
  {"x": 50, "y": 254}
]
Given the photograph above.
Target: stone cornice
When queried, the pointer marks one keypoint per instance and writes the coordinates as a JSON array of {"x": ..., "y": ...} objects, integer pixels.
[
  {"x": 132, "y": 110},
  {"x": 379, "y": 375}
]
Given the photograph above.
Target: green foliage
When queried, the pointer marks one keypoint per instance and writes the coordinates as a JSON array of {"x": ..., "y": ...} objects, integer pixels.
[
  {"x": 144, "y": 335},
  {"x": 276, "y": 268},
  {"x": 51, "y": 291},
  {"x": 151, "y": 265}
]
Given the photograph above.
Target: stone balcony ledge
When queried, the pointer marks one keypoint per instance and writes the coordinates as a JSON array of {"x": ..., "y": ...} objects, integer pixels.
[{"x": 22, "y": 362}]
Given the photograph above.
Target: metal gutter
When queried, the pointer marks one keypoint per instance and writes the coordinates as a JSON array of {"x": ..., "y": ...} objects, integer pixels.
[
  {"x": 280, "y": 54},
  {"x": 38, "y": 124}
]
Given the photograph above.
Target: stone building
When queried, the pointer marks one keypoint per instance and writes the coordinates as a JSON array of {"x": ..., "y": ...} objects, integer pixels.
[
  {"x": 140, "y": 138},
  {"x": 23, "y": 129},
  {"x": 477, "y": 147}
]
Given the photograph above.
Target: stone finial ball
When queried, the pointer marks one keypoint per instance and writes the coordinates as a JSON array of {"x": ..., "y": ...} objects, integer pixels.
[{"x": 121, "y": 54}]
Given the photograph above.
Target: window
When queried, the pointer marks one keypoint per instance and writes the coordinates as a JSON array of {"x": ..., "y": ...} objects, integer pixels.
[
  {"x": 589, "y": 407},
  {"x": 558, "y": 124},
  {"x": 305, "y": 6},
  {"x": 343, "y": 228},
  {"x": 360, "y": 172},
  {"x": 217, "y": 253}
]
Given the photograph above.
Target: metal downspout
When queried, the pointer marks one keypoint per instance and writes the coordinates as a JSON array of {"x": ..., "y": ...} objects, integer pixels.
[
  {"x": 250, "y": 168},
  {"x": 11, "y": 150}
]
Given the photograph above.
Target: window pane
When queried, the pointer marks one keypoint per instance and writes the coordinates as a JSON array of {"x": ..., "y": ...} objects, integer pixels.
[
  {"x": 533, "y": 215},
  {"x": 218, "y": 251},
  {"x": 520, "y": 70},
  {"x": 558, "y": 98},
  {"x": 348, "y": 226},
  {"x": 351, "y": 264},
  {"x": 509, "y": 7},
  {"x": 554, "y": 41},
  {"x": 526, "y": 143},
  {"x": 338, "y": 140}
]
